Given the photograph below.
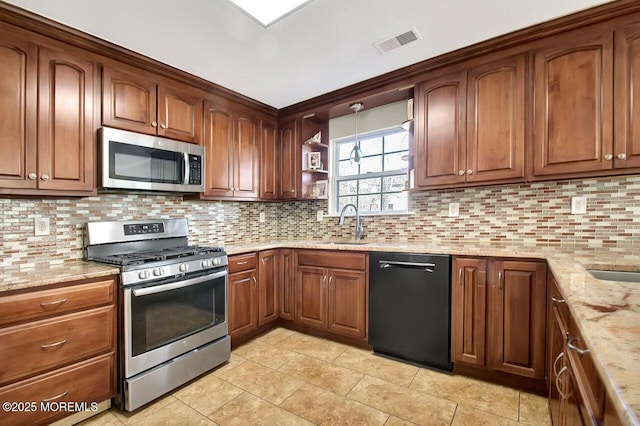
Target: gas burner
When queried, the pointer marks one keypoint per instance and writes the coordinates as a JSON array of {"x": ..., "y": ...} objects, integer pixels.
[{"x": 142, "y": 257}]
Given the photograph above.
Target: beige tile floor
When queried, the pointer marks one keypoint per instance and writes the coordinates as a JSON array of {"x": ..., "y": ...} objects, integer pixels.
[{"x": 288, "y": 378}]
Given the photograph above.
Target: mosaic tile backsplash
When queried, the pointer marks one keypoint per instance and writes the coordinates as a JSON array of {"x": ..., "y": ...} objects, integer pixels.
[{"x": 535, "y": 214}]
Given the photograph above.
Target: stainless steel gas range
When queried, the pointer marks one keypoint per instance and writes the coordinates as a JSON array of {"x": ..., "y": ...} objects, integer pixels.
[{"x": 172, "y": 305}]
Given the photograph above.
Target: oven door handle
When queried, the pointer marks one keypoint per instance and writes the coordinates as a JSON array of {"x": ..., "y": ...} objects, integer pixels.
[
  {"x": 187, "y": 168},
  {"x": 180, "y": 284}
]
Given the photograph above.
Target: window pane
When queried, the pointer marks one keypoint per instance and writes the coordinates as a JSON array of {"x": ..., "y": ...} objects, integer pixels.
[
  {"x": 371, "y": 164},
  {"x": 343, "y": 201},
  {"x": 369, "y": 203},
  {"x": 368, "y": 186},
  {"x": 393, "y": 183},
  {"x": 396, "y": 142},
  {"x": 392, "y": 202},
  {"x": 395, "y": 161},
  {"x": 344, "y": 149},
  {"x": 346, "y": 168},
  {"x": 371, "y": 146},
  {"x": 348, "y": 187}
]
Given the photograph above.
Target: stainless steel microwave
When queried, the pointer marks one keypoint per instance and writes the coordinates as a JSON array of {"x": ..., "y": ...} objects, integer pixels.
[{"x": 148, "y": 163}]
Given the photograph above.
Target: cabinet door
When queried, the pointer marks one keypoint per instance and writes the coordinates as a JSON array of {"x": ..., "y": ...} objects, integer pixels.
[
  {"x": 245, "y": 149},
  {"x": 496, "y": 112},
  {"x": 179, "y": 113},
  {"x": 129, "y": 101},
  {"x": 269, "y": 161},
  {"x": 286, "y": 284},
  {"x": 218, "y": 145},
  {"x": 627, "y": 98},
  {"x": 289, "y": 179},
  {"x": 243, "y": 310},
  {"x": 573, "y": 105},
  {"x": 348, "y": 303},
  {"x": 518, "y": 317},
  {"x": 556, "y": 380},
  {"x": 311, "y": 294},
  {"x": 66, "y": 136},
  {"x": 469, "y": 311},
  {"x": 441, "y": 131},
  {"x": 18, "y": 105},
  {"x": 268, "y": 287}
]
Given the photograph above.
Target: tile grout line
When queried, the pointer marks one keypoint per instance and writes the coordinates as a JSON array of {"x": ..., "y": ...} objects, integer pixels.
[{"x": 455, "y": 411}]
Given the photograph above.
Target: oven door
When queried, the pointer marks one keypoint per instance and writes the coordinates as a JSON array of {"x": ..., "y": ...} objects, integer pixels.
[{"x": 170, "y": 317}]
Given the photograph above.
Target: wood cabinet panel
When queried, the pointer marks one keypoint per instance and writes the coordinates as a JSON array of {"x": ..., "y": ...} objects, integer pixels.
[
  {"x": 627, "y": 97},
  {"x": 441, "y": 130},
  {"x": 519, "y": 317},
  {"x": 243, "y": 310},
  {"x": 556, "y": 363},
  {"x": 270, "y": 169},
  {"x": 573, "y": 104},
  {"x": 18, "y": 105},
  {"x": 332, "y": 259},
  {"x": 469, "y": 318},
  {"x": 218, "y": 136},
  {"x": 246, "y": 156},
  {"x": 286, "y": 285},
  {"x": 268, "y": 287},
  {"x": 311, "y": 294},
  {"x": 179, "y": 113},
  {"x": 36, "y": 347},
  {"x": 34, "y": 305},
  {"x": 347, "y": 303},
  {"x": 242, "y": 262},
  {"x": 89, "y": 381},
  {"x": 289, "y": 160}
]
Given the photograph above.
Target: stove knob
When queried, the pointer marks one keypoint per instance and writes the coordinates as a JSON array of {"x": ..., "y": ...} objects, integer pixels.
[
  {"x": 216, "y": 260},
  {"x": 206, "y": 263},
  {"x": 183, "y": 268},
  {"x": 158, "y": 272},
  {"x": 143, "y": 275}
]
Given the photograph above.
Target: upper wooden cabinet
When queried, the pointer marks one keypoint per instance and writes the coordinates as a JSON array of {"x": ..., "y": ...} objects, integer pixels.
[
  {"x": 47, "y": 129},
  {"x": 573, "y": 115},
  {"x": 231, "y": 142},
  {"x": 289, "y": 188},
  {"x": 470, "y": 125},
  {"x": 270, "y": 157},
  {"x": 142, "y": 102}
]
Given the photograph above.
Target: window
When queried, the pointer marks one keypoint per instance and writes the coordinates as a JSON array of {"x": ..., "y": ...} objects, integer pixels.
[{"x": 377, "y": 183}]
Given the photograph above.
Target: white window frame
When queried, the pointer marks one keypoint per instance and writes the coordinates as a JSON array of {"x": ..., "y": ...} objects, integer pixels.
[{"x": 334, "y": 178}]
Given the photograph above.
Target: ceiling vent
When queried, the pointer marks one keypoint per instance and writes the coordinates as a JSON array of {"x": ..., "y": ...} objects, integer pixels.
[{"x": 389, "y": 44}]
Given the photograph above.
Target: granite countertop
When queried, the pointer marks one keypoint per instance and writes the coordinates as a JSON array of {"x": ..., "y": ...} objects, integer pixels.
[{"x": 607, "y": 312}]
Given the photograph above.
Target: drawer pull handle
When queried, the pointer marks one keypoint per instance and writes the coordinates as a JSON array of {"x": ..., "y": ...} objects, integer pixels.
[
  {"x": 254, "y": 282},
  {"x": 562, "y": 370},
  {"x": 57, "y": 302},
  {"x": 51, "y": 345},
  {"x": 330, "y": 279},
  {"x": 460, "y": 276},
  {"x": 243, "y": 263},
  {"x": 575, "y": 348},
  {"x": 556, "y": 300},
  {"x": 63, "y": 394},
  {"x": 499, "y": 280},
  {"x": 558, "y": 358}
]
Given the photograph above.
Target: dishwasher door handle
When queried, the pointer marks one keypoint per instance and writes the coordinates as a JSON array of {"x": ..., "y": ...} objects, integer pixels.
[{"x": 429, "y": 267}]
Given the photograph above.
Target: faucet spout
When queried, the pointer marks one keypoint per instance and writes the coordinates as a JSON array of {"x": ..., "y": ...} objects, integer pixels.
[{"x": 359, "y": 231}]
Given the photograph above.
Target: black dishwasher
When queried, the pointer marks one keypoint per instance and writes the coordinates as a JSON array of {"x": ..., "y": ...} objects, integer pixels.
[{"x": 409, "y": 307}]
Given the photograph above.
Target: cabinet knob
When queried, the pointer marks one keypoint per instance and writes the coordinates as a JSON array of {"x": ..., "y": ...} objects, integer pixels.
[
  {"x": 461, "y": 172},
  {"x": 32, "y": 176},
  {"x": 622, "y": 156},
  {"x": 154, "y": 124},
  {"x": 608, "y": 157},
  {"x": 292, "y": 191},
  {"x": 45, "y": 177},
  {"x": 469, "y": 172},
  {"x": 162, "y": 125}
]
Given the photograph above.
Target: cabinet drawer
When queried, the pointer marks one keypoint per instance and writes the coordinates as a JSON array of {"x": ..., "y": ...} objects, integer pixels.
[
  {"x": 332, "y": 259},
  {"x": 242, "y": 262},
  {"x": 39, "y": 346},
  {"x": 88, "y": 381},
  {"x": 43, "y": 303}
]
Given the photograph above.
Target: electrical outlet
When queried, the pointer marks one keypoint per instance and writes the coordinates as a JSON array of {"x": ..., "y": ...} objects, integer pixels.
[
  {"x": 319, "y": 215},
  {"x": 262, "y": 217},
  {"x": 454, "y": 209},
  {"x": 578, "y": 205},
  {"x": 41, "y": 226}
]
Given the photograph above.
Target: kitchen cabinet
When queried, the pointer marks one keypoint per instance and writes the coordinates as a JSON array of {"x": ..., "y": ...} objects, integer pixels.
[
  {"x": 286, "y": 284},
  {"x": 231, "y": 142},
  {"x": 289, "y": 163},
  {"x": 47, "y": 130},
  {"x": 243, "y": 294},
  {"x": 470, "y": 125},
  {"x": 270, "y": 157},
  {"x": 57, "y": 345},
  {"x": 331, "y": 292},
  {"x": 140, "y": 101},
  {"x": 310, "y": 125},
  {"x": 499, "y": 325},
  {"x": 268, "y": 274}
]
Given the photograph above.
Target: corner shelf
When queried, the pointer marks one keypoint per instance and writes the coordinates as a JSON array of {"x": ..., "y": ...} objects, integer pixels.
[{"x": 326, "y": 172}]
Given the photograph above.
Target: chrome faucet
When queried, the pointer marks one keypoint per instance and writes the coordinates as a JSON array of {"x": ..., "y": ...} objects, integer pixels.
[{"x": 359, "y": 232}]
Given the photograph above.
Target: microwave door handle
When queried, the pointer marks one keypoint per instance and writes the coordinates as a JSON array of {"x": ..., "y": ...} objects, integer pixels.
[
  {"x": 186, "y": 168},
  {"x": 145, "y": 291}
]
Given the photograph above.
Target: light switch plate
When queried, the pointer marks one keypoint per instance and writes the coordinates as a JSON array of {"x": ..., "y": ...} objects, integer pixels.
[
  {"x": 41, "y": 226},
  {"x": 454, "y": 209},
  {"x": 320, "y": 215},
  {"x": 262, "y": 217},
  {"x": 578, "y": 205}
]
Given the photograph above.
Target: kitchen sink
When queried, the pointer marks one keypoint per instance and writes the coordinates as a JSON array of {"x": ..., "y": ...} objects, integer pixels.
[{"x": 631, "y": 277}]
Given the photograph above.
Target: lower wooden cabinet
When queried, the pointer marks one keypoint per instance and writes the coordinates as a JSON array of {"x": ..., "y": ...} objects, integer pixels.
[
  {"x": 331, "y": 292},
  {"x": 268, "y": 287},
  {"x": 286, "y": 284},
  {"x": 498, "y": 315}
]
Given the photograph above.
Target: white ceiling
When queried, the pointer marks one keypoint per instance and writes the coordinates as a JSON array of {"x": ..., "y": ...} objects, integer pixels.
[{"x": 325, "y": 45}]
